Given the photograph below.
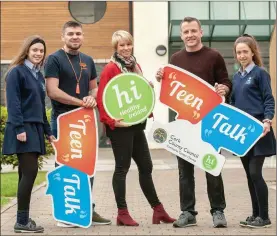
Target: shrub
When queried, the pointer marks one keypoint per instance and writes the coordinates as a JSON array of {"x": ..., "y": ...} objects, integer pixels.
[{"x": 12, "y": 159}]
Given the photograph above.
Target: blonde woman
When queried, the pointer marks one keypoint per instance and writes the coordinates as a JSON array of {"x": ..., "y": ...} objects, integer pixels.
[
  {"x": 27, "y": 123},
  {"x": 128, "y": 141}
]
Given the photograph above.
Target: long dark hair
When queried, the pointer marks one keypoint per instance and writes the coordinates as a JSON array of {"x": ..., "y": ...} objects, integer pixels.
[{"x": 24, "y": 50}]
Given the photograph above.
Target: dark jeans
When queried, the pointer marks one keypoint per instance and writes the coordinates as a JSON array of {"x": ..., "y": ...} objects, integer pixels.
[
  {"x": 257, "y": 187},
  {"x": 54, "y": 128},
  {"x": 125, "y": 145},
  {"x": 215, "y": 189}
]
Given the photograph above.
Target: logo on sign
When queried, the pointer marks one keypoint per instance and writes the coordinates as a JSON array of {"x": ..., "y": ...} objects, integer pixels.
[
  {"x": 130, "y": 97},
  {"x": 160, "y": 135},
  {"x": 209, "y": 162}
]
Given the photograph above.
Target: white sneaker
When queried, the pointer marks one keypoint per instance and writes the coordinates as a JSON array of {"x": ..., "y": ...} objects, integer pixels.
[{"x": 65, "y": 225}]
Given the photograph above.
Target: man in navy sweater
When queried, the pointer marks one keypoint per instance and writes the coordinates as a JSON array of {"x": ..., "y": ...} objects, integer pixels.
[{"x": 71, "y": 83}]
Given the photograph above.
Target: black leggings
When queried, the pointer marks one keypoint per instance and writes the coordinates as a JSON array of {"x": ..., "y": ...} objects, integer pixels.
[
  {"x": 126, "y": 145},
  {"x": 27, "y": 172},
  {"x": 257, "y": 187}
]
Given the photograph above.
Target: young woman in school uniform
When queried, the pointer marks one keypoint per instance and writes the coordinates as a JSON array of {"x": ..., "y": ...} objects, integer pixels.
[
  {"x": 252, "y": 93},
  {"x": 27, "y": 123}
]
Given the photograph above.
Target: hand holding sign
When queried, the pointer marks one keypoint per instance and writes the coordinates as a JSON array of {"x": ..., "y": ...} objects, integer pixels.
[
  {"x": 120, "y": 123},
  {"x": 77, "y": 141},
  {"x": 71, "y": 194},
  {"x": 191, "y": 97}
]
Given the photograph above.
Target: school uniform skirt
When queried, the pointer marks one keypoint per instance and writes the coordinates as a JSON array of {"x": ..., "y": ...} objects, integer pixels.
[
  {"x": 34, "y": 143},
  {"x": 266, "y": 146}
]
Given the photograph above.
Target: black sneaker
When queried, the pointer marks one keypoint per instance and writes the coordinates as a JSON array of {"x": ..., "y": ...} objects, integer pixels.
[
  {"x": 99, "y": 220},
  {"x": 248, "y": 220},
  {"x": 219, "y": 220},
  {"x": 186, "y": 219},
  {"x": 31, "y": 227},
  {"x": 259, "y": 223}
]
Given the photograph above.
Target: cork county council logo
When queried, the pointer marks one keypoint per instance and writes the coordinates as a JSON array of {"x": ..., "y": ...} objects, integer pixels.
[{"x": 160, "y": 135}]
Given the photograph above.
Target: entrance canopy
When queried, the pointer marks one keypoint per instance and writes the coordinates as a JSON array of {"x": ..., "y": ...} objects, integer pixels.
[{"x": 226, "y": 30}]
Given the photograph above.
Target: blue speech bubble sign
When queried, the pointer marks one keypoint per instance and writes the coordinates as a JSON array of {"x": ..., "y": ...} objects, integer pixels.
[
  {"x": 71, "y": 196},
  {"x": 230, "y": 128}
]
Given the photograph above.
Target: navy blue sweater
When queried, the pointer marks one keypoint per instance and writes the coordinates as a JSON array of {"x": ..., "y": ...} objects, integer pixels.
[
  {"x": 252, "y": 93},
  {"x": 26, "y": 99}
]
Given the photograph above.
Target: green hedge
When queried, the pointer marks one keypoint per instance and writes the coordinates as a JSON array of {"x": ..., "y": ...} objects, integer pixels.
[{"x": 12, "y": 160}]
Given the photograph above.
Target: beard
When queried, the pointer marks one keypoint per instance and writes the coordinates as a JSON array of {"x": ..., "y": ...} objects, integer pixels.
[
  {"x": 73, "y": 50},
  {"x": 71, "y": 47}
]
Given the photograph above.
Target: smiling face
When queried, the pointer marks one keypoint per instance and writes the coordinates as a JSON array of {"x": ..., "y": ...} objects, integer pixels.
[
  {"x": 36, "y": 53},
  {"x": 191, "y": 34},
  {"x": 73, "y": 37},
  {"x": 124, "y": 48},
  {"x": 244, "y": 54}
]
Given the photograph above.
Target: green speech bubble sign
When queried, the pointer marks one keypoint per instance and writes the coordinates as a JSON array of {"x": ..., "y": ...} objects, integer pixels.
[{"x": 129, "y": 96}]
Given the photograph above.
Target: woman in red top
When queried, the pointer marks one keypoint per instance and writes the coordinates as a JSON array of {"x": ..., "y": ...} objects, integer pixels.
[{"x": 128, "y": 141}]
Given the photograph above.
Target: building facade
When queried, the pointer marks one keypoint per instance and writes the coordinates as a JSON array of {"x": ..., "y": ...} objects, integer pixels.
[
  {"x": 222, "y": 23},
  {"x": 154, "y": 25}
]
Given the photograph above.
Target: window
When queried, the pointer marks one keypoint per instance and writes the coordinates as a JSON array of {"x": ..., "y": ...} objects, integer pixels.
[
  {"x": 178, "y": 10},
  {"x": 87, "y": 12},
  {"x": 254, "y": 10},
  {"x": 225, "y": 21},
  {"x": 230, "y": 11}
]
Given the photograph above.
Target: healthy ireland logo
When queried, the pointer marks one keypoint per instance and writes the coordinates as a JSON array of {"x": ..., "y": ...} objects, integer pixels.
[
  {"x": 130, "y": 97},
  {"x": 209, "y": 162}
]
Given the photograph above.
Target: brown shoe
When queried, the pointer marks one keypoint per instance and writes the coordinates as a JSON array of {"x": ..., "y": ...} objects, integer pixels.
[{"x": 99, "y": 220}]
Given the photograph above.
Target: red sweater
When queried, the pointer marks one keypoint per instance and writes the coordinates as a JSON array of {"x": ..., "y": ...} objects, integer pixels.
[{"x": 110, "y": 71}]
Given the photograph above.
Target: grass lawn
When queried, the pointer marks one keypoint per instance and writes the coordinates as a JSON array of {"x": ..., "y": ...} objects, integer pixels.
[
  {"x": 4, "y": 200},
  {"x": 9, "y": 182}
]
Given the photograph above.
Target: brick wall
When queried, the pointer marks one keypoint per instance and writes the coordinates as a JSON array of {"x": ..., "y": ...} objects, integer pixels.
[{"x": 22, "y": 19}]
